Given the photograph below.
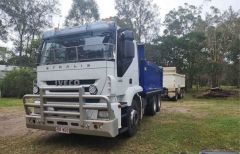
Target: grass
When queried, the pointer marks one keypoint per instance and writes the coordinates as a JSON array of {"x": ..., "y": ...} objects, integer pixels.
[
  {"x": 10, "y": 102},
  {"x": 187, "y": 126}
]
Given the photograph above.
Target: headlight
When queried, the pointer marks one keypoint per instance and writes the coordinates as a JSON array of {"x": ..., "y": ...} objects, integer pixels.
[
  {"x": 93, "y": 90},
  {"x": 35, "y": 90},
  {"x": 102, "y": 114}
]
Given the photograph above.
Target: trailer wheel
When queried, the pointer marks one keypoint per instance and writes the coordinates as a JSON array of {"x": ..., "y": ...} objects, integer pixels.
[
  {"x": 151, "y": 108},
  {"x": 181, "y": 93},
  {"x": 133, "y": 118},
  {"x": 175, "y": 98},
  {"x": 159, "y": 103}
]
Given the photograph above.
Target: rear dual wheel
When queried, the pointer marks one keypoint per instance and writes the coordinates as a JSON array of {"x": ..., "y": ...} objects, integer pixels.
[
  {"x": 159, "y": 103},
  {"x": 134, "y": 112},
  {"x": 154, "y": 105}
]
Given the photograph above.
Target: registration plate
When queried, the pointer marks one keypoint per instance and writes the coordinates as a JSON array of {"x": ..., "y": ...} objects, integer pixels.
[{"x": 61, "y": 129}]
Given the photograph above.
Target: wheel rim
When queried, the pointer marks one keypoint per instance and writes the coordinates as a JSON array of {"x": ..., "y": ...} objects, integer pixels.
[
  {"x": 154, "y": 105},
  {"x": 134, "y": 118},
  {"x": 159, "y": 103}
]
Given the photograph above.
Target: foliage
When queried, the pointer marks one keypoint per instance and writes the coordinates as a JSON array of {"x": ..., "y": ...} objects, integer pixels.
[
  {"x": 82, "y": 12},
  {"x": 182, "y": 21},
  {"x": 7, "y": 57},
  {"x": 3, "y": 31},
  {"x": 141, "y": 16},
  {"x": 27, "y": 18},
  {"x": 17, "y": 82},
  {"x": 203, "y": 49},
  {"x": 23, "y": 61},
  {"x": 5, "y": 54}
]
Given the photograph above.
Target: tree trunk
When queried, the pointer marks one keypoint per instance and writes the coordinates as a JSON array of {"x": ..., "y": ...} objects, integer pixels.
[
  {"x": 31, "y": 50},
  {"x": 21, "y": 45},
  {"x": 238, "y": 74},
  {"x": 190, "y": 81},
  {"x": 215, "y": 80}
]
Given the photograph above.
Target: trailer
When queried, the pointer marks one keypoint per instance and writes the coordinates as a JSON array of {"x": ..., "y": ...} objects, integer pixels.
[
  {"x": 173, "y": 84},
  {"x": 94, "y": 80}
]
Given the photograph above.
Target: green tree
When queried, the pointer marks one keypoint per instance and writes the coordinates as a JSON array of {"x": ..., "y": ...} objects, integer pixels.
[
  {"x": 184, "y": 41},
  {"x": 185, "y": 53},
  {"x": 3, "y": 31},
  {"x": 17, "y": 83},
  {"x": 141, "y": 15},
  {"x": 82, "y": 12},
  {"x": 24, "y": 61},
  {"x": 165, "y": 51},
  {"x": 194, "y": 56},
  {"x": 183, "y": 20},
  {"x": 3, "y": 54},
  {"x": 27, "y": 18},
  {"x": 32, "y": 48},
  {"x": 222, "y": 32}
]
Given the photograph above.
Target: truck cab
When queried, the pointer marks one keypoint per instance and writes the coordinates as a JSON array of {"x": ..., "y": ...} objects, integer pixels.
[{"x": 92, "y": 80}]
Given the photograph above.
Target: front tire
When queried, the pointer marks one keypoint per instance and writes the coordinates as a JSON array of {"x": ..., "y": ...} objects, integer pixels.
[{"x": 133, "y": 118}]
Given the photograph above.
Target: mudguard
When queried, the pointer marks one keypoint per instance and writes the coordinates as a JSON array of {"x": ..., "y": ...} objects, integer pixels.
[{"x": 130, "y": 93}]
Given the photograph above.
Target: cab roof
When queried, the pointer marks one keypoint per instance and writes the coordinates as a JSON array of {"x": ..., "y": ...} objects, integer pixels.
[{"x": 97, "y": 26}]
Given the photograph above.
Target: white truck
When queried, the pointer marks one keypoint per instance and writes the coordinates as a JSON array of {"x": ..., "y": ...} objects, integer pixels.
[
  {"x": 93, "y": 80},
  {"x": 173, "y": 83}
]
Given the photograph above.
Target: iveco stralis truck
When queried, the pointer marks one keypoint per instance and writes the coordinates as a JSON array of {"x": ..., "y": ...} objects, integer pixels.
[{"x": 93, "y": 80}]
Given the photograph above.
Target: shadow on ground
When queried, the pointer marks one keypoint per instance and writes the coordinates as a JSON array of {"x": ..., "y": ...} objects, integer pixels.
[{"x": 68, "y": 141}]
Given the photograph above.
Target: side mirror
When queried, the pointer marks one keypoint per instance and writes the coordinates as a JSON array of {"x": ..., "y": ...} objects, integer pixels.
[
  {"x": 128, "y": 35},
  {"x": 127, "y": 38},
  {"x": 128, "y": 49}
]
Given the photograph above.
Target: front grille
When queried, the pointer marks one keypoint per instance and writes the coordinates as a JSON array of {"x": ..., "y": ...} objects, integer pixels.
[
  {"x": 72, "y": 100},
  {"x": 86, "y": 89}
]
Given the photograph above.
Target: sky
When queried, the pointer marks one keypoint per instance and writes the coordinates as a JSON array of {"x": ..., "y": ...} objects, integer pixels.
[{"x": 107, "y": 8}]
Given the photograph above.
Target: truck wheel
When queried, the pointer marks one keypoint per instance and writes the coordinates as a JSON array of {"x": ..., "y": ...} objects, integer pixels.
[
  {"x": 133, "y": 118},
  {"x": 181, "y": 93},
  {"x": 158, "y": 103},
  {"x": 175, "y": 98},
  {"x": 151, "y": 108}
]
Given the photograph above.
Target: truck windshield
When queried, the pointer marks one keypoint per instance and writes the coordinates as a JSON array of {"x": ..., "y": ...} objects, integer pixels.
[{"x": 76, "y": 48}]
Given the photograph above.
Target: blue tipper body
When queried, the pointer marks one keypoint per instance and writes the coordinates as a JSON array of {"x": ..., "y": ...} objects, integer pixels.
[{"x": 151, "y": 76}]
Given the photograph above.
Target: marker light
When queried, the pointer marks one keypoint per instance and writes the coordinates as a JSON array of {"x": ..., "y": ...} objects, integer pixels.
[
  {"x": 93, "y": 90},
  {"x": 35, "y": 90}
]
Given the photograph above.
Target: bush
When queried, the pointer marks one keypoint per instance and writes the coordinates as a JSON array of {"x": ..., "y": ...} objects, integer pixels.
[{"x": 17, "y": 83}]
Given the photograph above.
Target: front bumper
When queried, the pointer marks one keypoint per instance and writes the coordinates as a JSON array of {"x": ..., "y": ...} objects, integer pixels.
[
  {"x": 89, "y": 127},
  {"x": 75, "y": 121}
]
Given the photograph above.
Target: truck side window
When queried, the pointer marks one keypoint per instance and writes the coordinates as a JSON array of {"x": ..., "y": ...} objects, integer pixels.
[{"x": 125, "y": 52}]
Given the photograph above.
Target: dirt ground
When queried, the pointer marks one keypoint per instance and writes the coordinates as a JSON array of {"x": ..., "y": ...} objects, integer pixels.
[{"x": 12, "y": 121}]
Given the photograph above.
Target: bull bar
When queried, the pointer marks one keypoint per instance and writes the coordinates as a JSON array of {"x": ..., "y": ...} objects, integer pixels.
[{"x": 107, "y": 127}]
